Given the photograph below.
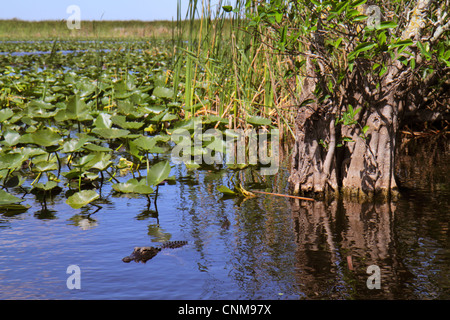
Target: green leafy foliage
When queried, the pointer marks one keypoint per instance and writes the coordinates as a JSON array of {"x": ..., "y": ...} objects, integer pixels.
[
  {"x": 133, "y": 186},
  {"x": 158, "y": 173},
  {"x": 82, "y": 198}
]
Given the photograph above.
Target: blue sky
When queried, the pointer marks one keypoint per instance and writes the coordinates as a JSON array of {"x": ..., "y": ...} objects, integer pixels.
[{"x": 93, "y": 9}]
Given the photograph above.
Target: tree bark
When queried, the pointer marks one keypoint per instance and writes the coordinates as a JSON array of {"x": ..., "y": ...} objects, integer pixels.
[
  {"x": 314, "y": 168},
  {"x": 329, "y": 157},
  {"x": 368, "y": 165},
  {"x": 362, "y": 167}
]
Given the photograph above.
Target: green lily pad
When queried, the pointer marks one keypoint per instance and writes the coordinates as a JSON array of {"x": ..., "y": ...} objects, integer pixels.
[
  {"x": 164, "y": 93},
  {"x": 44, "y": 166},
  {"x": 76, "y": 109},
  {"x": 169, "y": 117},
  {"x": 11, "y": 161},
  {"x": 158, "y": 173},
  {"x": 73, "y": 145},
  {"x": 101, "y": 162},
  {"x": 110, "y": 133},
  {"x": 40, "y": 109},
  {"x": 133, "y": 186},
  {"x": 103, "y": 120},
  {"x": 157, "y": 149},
  {"x": 28, "y": 152},
  {"x": 145, "y": 143},
  {"x": 154, "y": 109},
  {"x": 124, "y": 107},
  {"x": 85, "y": 88},
  {"x": 214, "y": 119},
  {"x": 72, "y": 174},
  {"x": 11, "y": 138},
  {"x": 5, "y": 114},
  {"x": 96, "y": 148},
  {"x": 82, "y": 198},
  {"x": 46, "y": 187},
  {"x": 122, "y": 122},
  {"x": 44, "y": 137},
  {"x": 226, "y": 191},
  {"x": 190, "y": 166},
  {"x": 7, "y": 198}
]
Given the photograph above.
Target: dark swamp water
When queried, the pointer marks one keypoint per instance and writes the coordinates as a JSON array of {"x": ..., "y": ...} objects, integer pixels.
[{"x": 261, "y": 248}]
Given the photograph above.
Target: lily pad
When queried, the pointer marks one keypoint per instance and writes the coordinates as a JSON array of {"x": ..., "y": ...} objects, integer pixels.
[
  {"x": 44, "y": 137},
  {"x": 154, "y": 109},
  {"x": 145, "y": 143},
  {"x": 158, "y": 173},
  {"x": 169, "y": 117},
  {"x": 46, "y": 187},
  {"x": 96, "y": 148},
  {"x": 103, "y": 121},
  {"x": 190, "y": 166},
  {"x": 5, "y": 114},
  {"x": 7, "y": 198},
  {"x": 226, "y": 191},
  {"x": 82, "y": 198},
  {"x": 11, "y": 161},
  {"x": 11, "y": 138},
  {"x": 122, "y": 122},
  {"x": 133, "y": 186},
  {"x": 164, "y": 93},
  {"x": 101, "y": 162},
  {"x": 110, "y": 133},
  {"x": 76, "y": 109},
  {"x": 40, "y": 109},
  {"x": 73, "y": 145},
  {"x": 44, "y": 166}
]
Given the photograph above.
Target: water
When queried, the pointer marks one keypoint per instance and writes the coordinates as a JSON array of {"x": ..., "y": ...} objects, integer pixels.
[{"x": 272, "y": 248}]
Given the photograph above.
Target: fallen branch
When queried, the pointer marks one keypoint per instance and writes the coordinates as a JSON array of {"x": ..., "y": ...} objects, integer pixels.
[{"x": 283, "y": 195}]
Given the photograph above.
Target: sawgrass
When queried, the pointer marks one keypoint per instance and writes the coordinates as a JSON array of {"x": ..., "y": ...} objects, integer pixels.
[
  {"x": 15, "y": 29},
  {"x": 227, "y": 70}
]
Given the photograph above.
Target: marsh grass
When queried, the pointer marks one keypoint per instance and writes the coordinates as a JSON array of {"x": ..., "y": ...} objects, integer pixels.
[
  {"x": 15, "y": 29},
  {"x": 228, "y": 72}
]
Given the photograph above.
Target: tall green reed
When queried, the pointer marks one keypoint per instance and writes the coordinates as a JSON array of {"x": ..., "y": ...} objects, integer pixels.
[{"x": 225, "y": 67}]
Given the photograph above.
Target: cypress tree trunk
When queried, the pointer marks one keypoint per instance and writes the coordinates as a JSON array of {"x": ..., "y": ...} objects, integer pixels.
[{"x": 358, "y": 157}]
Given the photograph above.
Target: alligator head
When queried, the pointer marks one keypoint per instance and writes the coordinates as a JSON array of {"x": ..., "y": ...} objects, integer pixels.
[{"x": 142, "y": 254}]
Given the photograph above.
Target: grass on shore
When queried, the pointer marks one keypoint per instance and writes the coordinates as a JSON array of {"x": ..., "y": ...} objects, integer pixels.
[{"x": 52, "y": 29}]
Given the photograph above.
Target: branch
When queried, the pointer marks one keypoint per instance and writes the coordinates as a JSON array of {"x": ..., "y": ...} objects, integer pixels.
[
  {"x": 417, "y": 21},
  {"x": 440, "y": 30},
  {"x": 330, "y": 154}
]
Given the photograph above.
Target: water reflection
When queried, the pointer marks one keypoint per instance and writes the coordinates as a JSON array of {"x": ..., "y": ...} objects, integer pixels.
[
  {"x": 262, "y": 248},
  {"x": 408, "y": 239},
  {"x": 83, "y": 221},
  {"x": 338, "y": 241}
]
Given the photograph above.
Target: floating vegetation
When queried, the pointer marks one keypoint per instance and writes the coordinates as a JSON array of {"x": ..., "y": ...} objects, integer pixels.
[{"x": 77, "y": 115}]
